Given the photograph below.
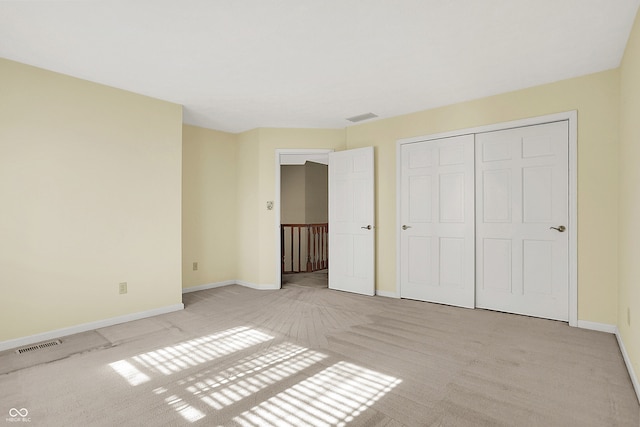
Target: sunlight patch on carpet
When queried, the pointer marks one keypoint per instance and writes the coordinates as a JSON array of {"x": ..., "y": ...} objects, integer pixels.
[
  {"x": 188, "y": 354},
  {"x": 129, "y": 372},
  {"x": 254, "y": 374},
  {"x": 334, "y": 396},
  {"x": 187, "y": 411}
]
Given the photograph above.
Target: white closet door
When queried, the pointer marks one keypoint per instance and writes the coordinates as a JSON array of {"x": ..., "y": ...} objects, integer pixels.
[
  {"x": 437, "y": 221},
  {"x": 521, "y": 212},
  {"x": 351, "y": 221}
]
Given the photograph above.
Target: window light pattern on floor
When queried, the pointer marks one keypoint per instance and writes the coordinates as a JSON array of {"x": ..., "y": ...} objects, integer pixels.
[
  {"x": 254, "y": 374},
  {"x": 333, "y": 397},
  {"x": 188, "y": 412},
  {"x": 188, "y": 354}
]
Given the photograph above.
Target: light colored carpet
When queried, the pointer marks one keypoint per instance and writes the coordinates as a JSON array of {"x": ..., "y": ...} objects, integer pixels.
[
  {"x": 317, "y": 279},
  {"x": 306, "y": 355}
]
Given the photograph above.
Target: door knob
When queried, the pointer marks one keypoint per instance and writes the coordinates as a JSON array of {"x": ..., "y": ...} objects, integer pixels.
[
  {"x": 404, "y": 227},
  {"x": 561, "y": 228},
  {"x": 368, "y": 227}
]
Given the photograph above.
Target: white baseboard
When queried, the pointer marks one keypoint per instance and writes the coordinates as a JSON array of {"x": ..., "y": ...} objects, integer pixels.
[
  {"x": 263, "y": 287},
  {"x": 595, "y": 326},
  {"x": 387, "y": 294},
  {"x": 57, "y": 333},
  {"x": 208, "y": 286},
  {"x": 627, "y": 361},
  {"x": 251, "y": 285}
]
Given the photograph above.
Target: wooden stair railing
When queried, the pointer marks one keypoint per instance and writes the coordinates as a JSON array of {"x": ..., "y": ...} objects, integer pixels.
[{"x": 304, "y": 246}]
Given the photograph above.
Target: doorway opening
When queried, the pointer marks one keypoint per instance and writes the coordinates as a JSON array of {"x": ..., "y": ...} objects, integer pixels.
[{"x": 302, "y": 218}]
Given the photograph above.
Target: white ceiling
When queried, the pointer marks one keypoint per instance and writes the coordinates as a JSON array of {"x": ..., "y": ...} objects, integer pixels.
[{"x": 241, "y": 64}]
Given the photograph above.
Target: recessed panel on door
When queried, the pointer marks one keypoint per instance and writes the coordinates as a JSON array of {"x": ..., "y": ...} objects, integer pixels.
[
  {"x": 452, "y": 262},
  {"x": 496, "y": 150},
  {"x": 537, "y": 194},
  {"x": 495, "y": 189},
  {"x": 419, "y": 271},
  {"x": 420, "y": 194},
  {"x": 452, "y": 197},
  {"x": 343, "y": 194},
  {"x": 537, "y": 267},
  {"x": 343, "y": 265},
  {"x": 418, "y": 158},
  {"x": 451, "y": 155},
  {"x": 496, "y": 265},
  {"x": 361, "y": 201},
  {"x": 537, "y": 145}
]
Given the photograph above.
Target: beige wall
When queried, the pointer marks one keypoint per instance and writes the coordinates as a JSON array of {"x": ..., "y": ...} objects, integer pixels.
[
  {"x": 90, "y": 190},
  {"x": 209, "y": 206},
  {"x": 596, "y": 97},
  {"x": 304, "y": 193},
  {"x": 316, "y": 193},
  {"x": 292, "y": 194},
  {"x": 629, "y": 227},
  {"x": 248, "y": 207}
]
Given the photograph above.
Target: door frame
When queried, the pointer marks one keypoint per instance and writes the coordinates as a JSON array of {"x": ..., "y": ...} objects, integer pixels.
[
  {"x": 291, "y": 156},
  {"x": 572, "y": 118}
]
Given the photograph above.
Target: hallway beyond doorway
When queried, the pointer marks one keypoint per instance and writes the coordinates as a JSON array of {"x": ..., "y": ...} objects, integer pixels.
[{"x": 317, "y": 279}]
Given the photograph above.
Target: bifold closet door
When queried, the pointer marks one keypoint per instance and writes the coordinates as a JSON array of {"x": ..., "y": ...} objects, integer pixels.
[
  {"x": 522, "y": 245},
  {"x": 437, "y": 221}
]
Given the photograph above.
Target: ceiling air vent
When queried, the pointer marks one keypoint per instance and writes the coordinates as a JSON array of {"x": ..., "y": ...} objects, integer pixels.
[
  {"x": 361, "y": 117},
  {"x": 38, "y": 346}
]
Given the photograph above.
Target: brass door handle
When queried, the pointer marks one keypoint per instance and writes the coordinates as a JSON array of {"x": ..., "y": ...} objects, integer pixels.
[
  {"x": 404, "y": 227},
  {"x": 561, "y": 228},
  {"x": 368, "y": 227}
]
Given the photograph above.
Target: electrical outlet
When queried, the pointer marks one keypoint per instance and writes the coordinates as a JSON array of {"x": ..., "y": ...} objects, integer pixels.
[
  {"x": 195, "y": 266},
  {"x": 628, "y": 316},
  {"x": 123, "y": 288}
]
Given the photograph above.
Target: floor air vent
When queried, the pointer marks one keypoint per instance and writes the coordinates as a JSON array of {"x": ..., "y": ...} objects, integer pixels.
[{"x": 38, "y": 346}]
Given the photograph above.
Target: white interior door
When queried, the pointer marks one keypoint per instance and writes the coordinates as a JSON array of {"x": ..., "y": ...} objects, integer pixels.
[
  {"x": 521, "y": 212},
  {"x": 437, "y": 258},
  {"x": 351, "y": 221}
]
